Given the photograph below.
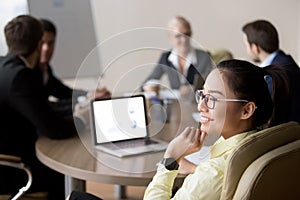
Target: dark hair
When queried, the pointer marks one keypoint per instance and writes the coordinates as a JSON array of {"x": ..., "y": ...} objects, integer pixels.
[
  {"x": 247, "y": 81},
  {"x": 281, "y": 95},
  {"x": 263, "y": 34},
  {"x": 23, "y": 35},
  {"x": 48, "y": 26}
]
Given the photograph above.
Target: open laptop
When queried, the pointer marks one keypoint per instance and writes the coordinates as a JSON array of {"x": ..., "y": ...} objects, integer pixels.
[{"x": 119, "y": 126}]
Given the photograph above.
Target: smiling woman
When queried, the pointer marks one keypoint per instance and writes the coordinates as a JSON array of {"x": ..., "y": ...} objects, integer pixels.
[
  {"x": 235, "y": 103},
  {"x": 239, "y": 109}
]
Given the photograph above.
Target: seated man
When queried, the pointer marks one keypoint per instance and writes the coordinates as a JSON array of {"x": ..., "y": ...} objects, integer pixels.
[
  {"x": 262, "y": 43},
  {"x": 25, "y": 112},
  {"x": 52, "y": 85}
]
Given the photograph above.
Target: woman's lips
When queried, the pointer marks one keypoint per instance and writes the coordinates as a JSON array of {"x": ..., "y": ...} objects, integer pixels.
[{"x": 204, "y": 119}]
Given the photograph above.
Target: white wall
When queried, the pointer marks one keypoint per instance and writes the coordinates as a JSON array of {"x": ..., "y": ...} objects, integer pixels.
[
  {"x": 75, "y": 35},
  {"x": 9, "y": 10},
  {"x": 215, "y": 24}
]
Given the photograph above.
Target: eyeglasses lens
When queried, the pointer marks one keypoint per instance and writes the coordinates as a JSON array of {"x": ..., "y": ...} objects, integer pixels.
[{"x": 208, "y": 99}]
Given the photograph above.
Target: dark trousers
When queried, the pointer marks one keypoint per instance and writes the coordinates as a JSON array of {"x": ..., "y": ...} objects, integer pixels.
[{"x": 75, "y": 195}]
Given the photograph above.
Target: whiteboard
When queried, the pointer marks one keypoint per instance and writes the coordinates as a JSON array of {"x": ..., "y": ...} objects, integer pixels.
[{"x": 75, "y": 53}]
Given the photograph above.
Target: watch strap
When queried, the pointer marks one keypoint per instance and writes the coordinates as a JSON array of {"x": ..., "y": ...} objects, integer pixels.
[{"x": 170, "y": 163}]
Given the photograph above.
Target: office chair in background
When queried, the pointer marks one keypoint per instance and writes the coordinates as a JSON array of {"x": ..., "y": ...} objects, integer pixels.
[{"x": 218, "y": 55}]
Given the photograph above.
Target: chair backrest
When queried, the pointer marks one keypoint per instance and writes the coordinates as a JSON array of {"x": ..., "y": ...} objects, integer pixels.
[
  {"x": 16, "y": 162},
  {"x": 275, "y": 175},
  {"x": 218, "y": 55},
  {"x": 253, "y": 147}
]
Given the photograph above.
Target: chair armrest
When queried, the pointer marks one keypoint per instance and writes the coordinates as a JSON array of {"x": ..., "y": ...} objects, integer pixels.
[
  {"x": 10, "y": 158},
  {"x": 16, "y": 162}
]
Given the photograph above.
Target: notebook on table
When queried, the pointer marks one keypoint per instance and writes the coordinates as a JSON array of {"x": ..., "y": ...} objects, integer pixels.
[{"x": 119, "y": 127}]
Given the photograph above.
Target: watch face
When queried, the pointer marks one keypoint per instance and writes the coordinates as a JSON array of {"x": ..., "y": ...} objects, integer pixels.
[{"x": 170, "y": 163}]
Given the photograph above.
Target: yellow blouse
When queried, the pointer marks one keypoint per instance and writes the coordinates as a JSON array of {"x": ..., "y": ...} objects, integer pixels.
[{"x": 205, "y": 183}]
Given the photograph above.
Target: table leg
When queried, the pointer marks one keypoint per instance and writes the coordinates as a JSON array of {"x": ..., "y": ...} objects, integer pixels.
[
  {"x": 73, "y": 184},
  {"x": 120, "y": 191}
]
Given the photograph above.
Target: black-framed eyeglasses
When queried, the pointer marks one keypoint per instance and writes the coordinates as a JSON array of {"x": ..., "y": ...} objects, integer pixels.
[{"x": 210, "y": 100}]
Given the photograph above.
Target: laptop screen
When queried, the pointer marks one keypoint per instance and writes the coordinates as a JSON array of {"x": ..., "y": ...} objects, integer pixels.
[{"x": 118, "y": 119}]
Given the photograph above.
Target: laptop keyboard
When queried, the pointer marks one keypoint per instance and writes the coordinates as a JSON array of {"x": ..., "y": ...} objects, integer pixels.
[{"x": 131, "y": 144}]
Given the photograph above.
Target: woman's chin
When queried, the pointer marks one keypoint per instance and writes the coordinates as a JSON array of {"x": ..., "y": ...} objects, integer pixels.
[
  {"x": 210, "y": 129},
  {"x": 204, "y": 127}
]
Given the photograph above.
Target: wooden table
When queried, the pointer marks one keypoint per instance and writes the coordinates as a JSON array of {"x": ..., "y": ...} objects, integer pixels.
[{"x": 79, "y": 161}]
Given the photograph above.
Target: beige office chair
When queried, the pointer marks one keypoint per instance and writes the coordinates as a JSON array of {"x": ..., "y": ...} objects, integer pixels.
[
  {"x": 16, "y": 162},
  {"x": 218, "y": 55},
  {"x": 266, "y": 165}
]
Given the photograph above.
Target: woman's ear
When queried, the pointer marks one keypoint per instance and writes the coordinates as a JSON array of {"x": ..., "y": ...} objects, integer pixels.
[{"x": 248, "y": 110}]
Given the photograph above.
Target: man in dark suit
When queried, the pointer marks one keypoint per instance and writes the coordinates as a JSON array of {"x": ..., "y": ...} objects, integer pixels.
[
  {"x": 66, "y": 97},
  {"x": 25, "y": 112},
  {"x": 262, "y": 43}
]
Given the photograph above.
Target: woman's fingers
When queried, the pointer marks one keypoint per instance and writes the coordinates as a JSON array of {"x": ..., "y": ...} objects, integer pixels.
[
  {"x": 203, "y": 135},
  {"x": 189, "y": 141}
]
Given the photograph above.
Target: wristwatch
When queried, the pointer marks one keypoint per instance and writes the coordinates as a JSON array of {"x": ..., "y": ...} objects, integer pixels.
[{"x": 170, "y": 163}]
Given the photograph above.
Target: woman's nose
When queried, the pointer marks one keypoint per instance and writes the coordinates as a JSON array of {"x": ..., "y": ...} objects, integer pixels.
[{"x": 201, "y": 106}]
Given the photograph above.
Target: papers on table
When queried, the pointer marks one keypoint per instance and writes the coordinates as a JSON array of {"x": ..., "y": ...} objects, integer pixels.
[
  {"x": 169, "y": 94},
  {"x": 199, "y": 156},
  {"x": 163, "y": 94}
]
